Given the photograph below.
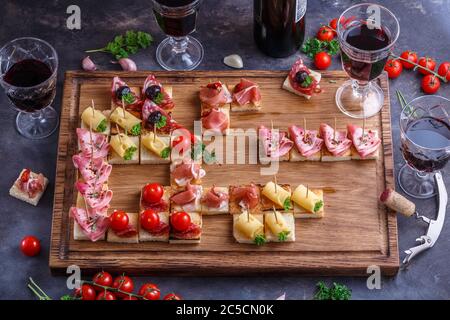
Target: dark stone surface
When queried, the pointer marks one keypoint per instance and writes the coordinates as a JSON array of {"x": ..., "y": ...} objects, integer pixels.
[{"x": 223, "y": 29}]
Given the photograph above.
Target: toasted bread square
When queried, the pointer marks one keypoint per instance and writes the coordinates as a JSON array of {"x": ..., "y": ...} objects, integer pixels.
[
  {"x": 249, "y": 107},
  {"x": 165, "y": 198},
  {"x": 235, "y": 208},
  {"x": 287, "y": 84},
  {"x": 134, "y": 221},
  {"x": 238, "y": 236},
  {"x": 226, "y": 111},
  {"x": 328, "y": 157},
  {"x": 194, "y": 206},
  {"x": 196, "y": 218},
  {"x": 149, "y": 157},
  {"x": 20, "y": 195},
  {"x": 215, "y": 211},
  {"x": 373, "y": 156},
  {"x": 145, "y": 236},
  {"x": 205, "y": 107},
  {"x": 107, "y": 132},
  {"x": 295, "y": 156},
  {"x": 267, "y": 204},
  {"x": 78, "y": 234},
  {"x": 301, "y": 213},
  {"x": 114, "y": 158},
  {"x": 290, "y": 220}
]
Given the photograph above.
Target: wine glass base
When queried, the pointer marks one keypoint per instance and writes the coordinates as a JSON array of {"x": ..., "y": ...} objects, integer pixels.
[
  {"x": 39, "y": 125},
  {"x": 415, "y": 184},
  {"x": 359, "y": 103},
  {"x": 180, "y": 54}
]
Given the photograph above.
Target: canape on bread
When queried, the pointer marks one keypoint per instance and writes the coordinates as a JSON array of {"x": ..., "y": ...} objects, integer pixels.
[
  {"x": 128, "y": 235},
  {"x": 215, "y": 201},
  {"x": 308, "y": 203},
  {"x": 186, "y": 228},
  {"x": 160, "y": 95},
  {"x": 337, "y": 145},
  {"x": 126, "y": 96},
  {"x": 79, "y": 234},
  {"x": 92, "y": 145},
  {"x": 278, "y": 196},
  {"x": 243, "y": 198},
  {"x": 307, "y": 145},
  {"x": 185, "y": 171},
  {"x": 216, "y": 120},
  {"x": 279, "y": 227},
  {"x": 154, "y": 226},
  {"x": 124, "y": 149},
  {"x": 188, "y": 199},
  {"x": 97, "y": 120},
  {"x": 249, "y": 228},
  {"x": 29, "y": 187},
  {"x": 302, "y": 81},
  {"x": 126, "y": 121},
  {"x": 215, "y": 95},
  {"x": 155, "y": 197},
  {"x": 273, "y": 145},
  {"x": 366, "y": 143},
  {"x": 155, "y": 149},
  {"x": 246, "y": 97}
]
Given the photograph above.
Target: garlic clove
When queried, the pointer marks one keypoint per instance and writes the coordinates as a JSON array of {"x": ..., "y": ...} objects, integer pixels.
[
  {"x": 88, "y": 65},
  {"x": 234, "y": 61},
  {"x": 127, "y": 64}
]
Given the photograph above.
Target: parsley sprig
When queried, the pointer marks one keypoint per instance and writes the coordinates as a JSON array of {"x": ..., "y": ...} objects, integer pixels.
[
  {"x": 260, "y": 240},
  {"x": 287, "y": 205},
  {"x": 313, "y": 46},
  {"x": 283, "y": 236},
  {"x": 127, "y": 44},
  {"x": 318, "y": 206},
  {"x": 336, "y": 292}
]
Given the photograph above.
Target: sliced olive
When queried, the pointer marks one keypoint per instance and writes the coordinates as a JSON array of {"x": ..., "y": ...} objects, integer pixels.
[
  {"x": 122, "y": 91},
  {"x": 152, "y": 92}
]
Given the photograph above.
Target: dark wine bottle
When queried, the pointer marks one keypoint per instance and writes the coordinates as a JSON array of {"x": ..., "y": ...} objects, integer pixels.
[{"x": 279, "y": 26}]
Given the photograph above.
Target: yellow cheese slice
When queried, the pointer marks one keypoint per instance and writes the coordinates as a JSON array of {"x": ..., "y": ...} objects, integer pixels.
[
  {"x": 92, "y": 117},
  {"x": 276, "y": 224},
  {"x": 155, "y": 145},
  {"x": 127, "y": 122},
  {"x": 305, "y": 198},
  {"x": 276, "y": 193},
  {"x": 121, "y": 143},
  {"x": 249, "y": 226}
]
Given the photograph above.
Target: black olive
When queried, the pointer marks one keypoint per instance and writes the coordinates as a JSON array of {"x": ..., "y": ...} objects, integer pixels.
[
  {"x": 154, "y": 117},
  {"x": 301, "y": 76},
  {"x": 122, "y": 91},
  {"x": 152, "y": 92}
]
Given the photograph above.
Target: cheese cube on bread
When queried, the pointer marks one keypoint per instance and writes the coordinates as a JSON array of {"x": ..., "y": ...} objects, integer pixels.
[
  {"x": 149, "y": 156},
  {"x": 134, "y": 221},
  {"x": 245, "y": 231},
  {"x": 287, "y": 84},
  {"x": 196, "y": 218},
  {"x": 21, "y": 195},
  {"x": 107, "y": 132},
  {"x": 145, "y": 236},
  {"x": 115, "y": 158},
  {"x": 283, "y": 223},
  {"x": 302, "y": 213}
]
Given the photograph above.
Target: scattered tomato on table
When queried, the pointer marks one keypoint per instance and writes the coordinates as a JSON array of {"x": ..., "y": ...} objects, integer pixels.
[
  {"x": 30, "y": 246},
  {"x": 322, "y": 60},
  {"x": 325, "y": 33},
  {"x": 394, "y": 68}
]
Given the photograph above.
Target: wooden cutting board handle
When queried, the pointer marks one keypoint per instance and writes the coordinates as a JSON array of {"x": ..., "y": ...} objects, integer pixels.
[{"x": 395, "y": 201}]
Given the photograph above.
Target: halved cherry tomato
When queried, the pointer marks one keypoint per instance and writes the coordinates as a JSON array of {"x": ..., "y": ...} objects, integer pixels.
[
  {"x": 25, "y": 175},
  {"x": 85, "y": 292},
  {"x": 106, "y": 295},
  {"x": 180, "y": 221},
  {"x": 30, "y": 246},
  {"x": 119, "y": 220},
  {"x": 394, "y": 68},
  {"x": 325, "y": 34},
  {"x": 444, "y": 70},
  {"x": 322, "y": 60},
  {"x": 149, "y": 291},
  {"x": 427, "y": 62},
  {"x": 171, "y": 296},
  {"x": 124, "y": 284},
  {"x": 103, "y": 279},
  {"x": 410, "y": 56},
  {"x": 153, "y": 193},
  {"x": 430, "y": 84},
  {"x": 150, "y": 220}
]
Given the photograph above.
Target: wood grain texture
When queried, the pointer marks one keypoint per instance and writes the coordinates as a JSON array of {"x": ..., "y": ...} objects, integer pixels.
[{"x": 356, "y": 232}]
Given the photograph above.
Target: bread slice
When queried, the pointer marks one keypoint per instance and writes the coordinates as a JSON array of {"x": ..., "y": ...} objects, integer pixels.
[
  {"x": 301, "y": 213},
  {"x": 287, "y": 84},
  {"x": 328, "y": 157},
  {"x": 373, "y": 156},
  {"x": 165, "y": 198},
  {"x": 215, "y": 211},
  {"x": 149, "y": 157},
  {"x": 234, "y": 206},
  {"x": 249, "y": 107},
  {"x": 134, "y": 221},
  {"x": 196, "y": 218},
  {"x": 20, "y": 195},
  {"x": 194, "y": 206},
  {"x": 225, "y": 110},
  {"x": 267, "y": 204},
  {"x": 107, "y": 132},
  {"x": 240, "y": 238},
  {"x": 114, "y": 158},
  {"x": 145, "y": 236},
  {"x": 227, "y": 105},
  {"x": 290, "y": 221},
  {"x": 295, "y": 156}
]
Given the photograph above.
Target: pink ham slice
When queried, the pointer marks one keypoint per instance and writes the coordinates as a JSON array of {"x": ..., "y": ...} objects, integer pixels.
[
  {"x": 186, "y": 171},
  {"x": 366, "y": 145},
  {"x": 214, "y": 95},
  {"x": 247, "y": 197},
  {"x": 215, "y": 199},
  {"x": 95, "y": 197},
  {"x": 167, "y": 102},
  {"x": 215, "y": 120},
  {"x": 99, "y": 144},
  {"x": 297, "y": 67},
  {"x": 246, "y": 92},
  {"x": 186, "y": 199},
  {"x": 193, "y": 232},
  {"x": 276, "y": 144},
  {"x": 94, "y": 172},
  {"x": 33, "y": 186},
  {"x": 337, "y": 144},
  {"x": 307, "y": 142},
  {"x": 94, "y": 225}
]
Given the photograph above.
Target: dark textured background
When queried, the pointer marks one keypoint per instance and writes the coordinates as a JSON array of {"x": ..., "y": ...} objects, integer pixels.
[{"x": 224, "y": 27}]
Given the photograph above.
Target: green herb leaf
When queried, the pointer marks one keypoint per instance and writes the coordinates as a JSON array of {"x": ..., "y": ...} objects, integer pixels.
[
  {"x": 166, "y": 153},
  {"x": 102, "y": 126},
  {"x": 260, "y": 240},
  {"x": 336, "y": 292},
  {"x": 313, "y": 46},
  {"x": 129, "y": 153},
  {"x": 307, "y": 82},
  {"x": 282, "y": 236},
  {"x": 68, "y": 298},
  {"x": 136, "y": 130},
  {"x": 318, "y": 206},
  {"x": 287, "y": 205},
  {"x": 129, "y": 98},
  {"x": 161, "y": 123},
  {"x": 159, "y": 98}
]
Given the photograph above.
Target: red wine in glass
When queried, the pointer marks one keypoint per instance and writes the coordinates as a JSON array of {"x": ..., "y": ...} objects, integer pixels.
[
  {"x": 176, "y": 24},
  {"x": 364, "y": 38},
  {"x": 27, "y": 74}
]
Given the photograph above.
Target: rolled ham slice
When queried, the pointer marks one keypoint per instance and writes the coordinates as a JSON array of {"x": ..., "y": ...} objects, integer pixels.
[
  {"x": 215, "y": 120},
  {"x": 94, "y": 172},
  {"x": 215, "y": 199},
  {"x": 99, "y": 145},
  {"x": 337, "y": 144},
  {"x": 187, "y": 199},
  {"x": 94, "y": 197},
  {"x": 307, "y": 142},
  {"x": 276, "y": 144},
  {"x": 94, "y": 225},
  {"x": 247, "y": 197},
  {"x": 366, "y": 145},
  {"x": 246, "y": 92},
  {"x": 214, "y": 95},
  {"x": 167, "y": 102},
  {"x": 186, "y": 171}
]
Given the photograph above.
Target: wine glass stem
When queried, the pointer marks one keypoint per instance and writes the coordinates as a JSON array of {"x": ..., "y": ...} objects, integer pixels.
[
  {"x": 179, "y": 44},
  {"x": 360, "y": 89},
  {"x": 37, "y": 115}
]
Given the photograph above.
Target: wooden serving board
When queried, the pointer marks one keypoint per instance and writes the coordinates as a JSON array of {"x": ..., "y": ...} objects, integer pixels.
[{"x": 355, "y": 233}]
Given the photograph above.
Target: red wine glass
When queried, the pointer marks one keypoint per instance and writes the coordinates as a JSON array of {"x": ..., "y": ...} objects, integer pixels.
[
  {"x": 425, "y": 136},
  {"x": 366, "y": 33},
  {"x": 28, "y": 73}
]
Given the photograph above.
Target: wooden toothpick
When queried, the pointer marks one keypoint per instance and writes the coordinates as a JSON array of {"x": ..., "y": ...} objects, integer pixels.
[
  {"x": 118, "y": 133},
  {"x": 92, "y": 143},
  {"x": 275, "y": 213},
  {"x": 307, "y": 191},
  {"x": 154, "y": 134},
  {"x": 276, "y": 183},
  {"x": 335, "y": 125},
  {"x": 123, "y": 108},
  {"x": 363, "y": 137}
]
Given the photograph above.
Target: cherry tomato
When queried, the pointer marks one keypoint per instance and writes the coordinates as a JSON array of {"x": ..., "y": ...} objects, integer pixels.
[
  {"x": 123, "y": 283},
  {"x": 430, "y": 84},
  {"x": 129, "y": 297},
  {"x": 171, "y": 296},
  {"x": 30, "y": 246},
  {"x": 149, "y": 291},
  {"x": 334, "y": 23},
  {"x": 150, "y": 220},
  {"x": 322, "y": 60},
  {"x": 103, "y": 279},
  {"x": 106, "y": 295},
  {"x": 444, "y": 70},
  {"x": 85, "y": 292},
  {"x": 325, "y": 34},
  {"x": 25, "y": 175},
  {"x": 180, "y": 221},
  {"x": 410, "y": 56},
  {"x": 427, "y": 62},
  {"x": 394, "y": 68},
  {"x": 119, "y": 220},
  {"x": 153, "y": 193}
]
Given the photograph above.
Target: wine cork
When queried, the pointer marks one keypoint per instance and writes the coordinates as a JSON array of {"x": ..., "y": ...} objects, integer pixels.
[{"x": 397, "y": 202}]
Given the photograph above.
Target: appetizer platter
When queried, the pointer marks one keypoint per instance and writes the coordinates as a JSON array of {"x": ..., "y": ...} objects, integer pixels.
[{"x": 132, "y": 194}]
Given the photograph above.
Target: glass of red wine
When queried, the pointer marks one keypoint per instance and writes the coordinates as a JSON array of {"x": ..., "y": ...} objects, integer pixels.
[
  {"x": 425, "y": 136},
  {"x": 29, "y": 68},
  {"x": 178, "y": 19},
  {"x": 366, "y": 33}
]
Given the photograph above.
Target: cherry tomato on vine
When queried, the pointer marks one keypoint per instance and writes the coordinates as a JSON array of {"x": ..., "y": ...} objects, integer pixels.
[
  {"x": 410, "y": 56},
  {"x": 426, "y": 62},
  {"x": 129, "y": 297},
  {"x": 180, "y": 221},
  {"x": 394, "y": 68},
  {"x": 123, "y": 283},
  {"x": 153, "y": 193},
  {"x": 30, "y": 246},
  {"x": 150, "y": 220},
  {"x": 103, "y": 279},
  {"x": 119, "y": 220},
  {"x": 85, "y": 292},
  {"x": 444, "y": 70},
  {"x": 431, "y": 84},
  {"x": 325, "y": 33},
  {"x": 106, "y": 295},
  {"x": 322, "y": 60},
  {"x": 149, "y": 291},
  {"x": 172, "y": 296},
  {"x": 334, "y": 22}
]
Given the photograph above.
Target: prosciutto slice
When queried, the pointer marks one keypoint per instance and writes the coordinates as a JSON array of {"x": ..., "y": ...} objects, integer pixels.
[
  {"x": 215, "y": 120},
  {"x": 128, "y": 232},
  {"x": 276, "y": 144},
  {"x": 94, "y": 225},
  {"x": 94, "y": 197},
  {"x": 193, "y": 232},
  {"x": 158, "y": 207},
  {"x": 365, "y": 145},
  {"x": 167, "y": 102},
  {"x": 307, "y": 142},
  {"x": 247, "y": 197},
  {"x": 186, "y": 199},
  {"x": 99, "y": 145},
  {"x": 161, "y": 229},
  {"x": 337, "y": 144},
  {"x": 246, "y": 92},
  {"x": 214, "y": 95},
  {"x": 31, "y": 185},
  {"x": 117, "y": 83},
  {"x": 298, "y": 67},
  {"x": 183, "y": 173},
  {"x": 215, "y": 199},
  {"x": 95, "y": 172}
]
